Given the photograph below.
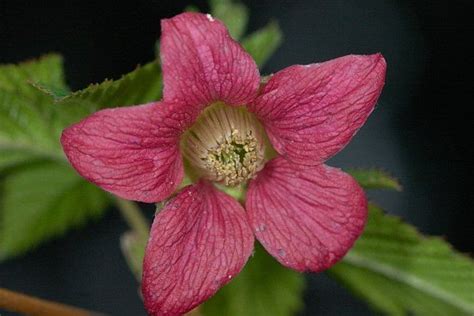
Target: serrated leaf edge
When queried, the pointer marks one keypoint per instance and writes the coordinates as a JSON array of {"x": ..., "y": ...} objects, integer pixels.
[
  {"x": 408, "y": 279},
  {"x": 397, "y": 186}
]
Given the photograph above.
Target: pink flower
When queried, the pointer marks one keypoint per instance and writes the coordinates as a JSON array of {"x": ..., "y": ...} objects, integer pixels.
[{"x": 217, "y": 121}]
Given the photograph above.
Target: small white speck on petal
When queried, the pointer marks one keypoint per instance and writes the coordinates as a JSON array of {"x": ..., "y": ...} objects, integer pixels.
[
  {"x": 260, "y": 228},
  {"x": 209, "y": 17}
]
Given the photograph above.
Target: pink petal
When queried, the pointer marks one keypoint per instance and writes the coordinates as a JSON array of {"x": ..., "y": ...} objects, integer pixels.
[
  {"x": 198, "y": 243},
  {"x": 311, "y": 112},
  {"x": 132, "y": 152},
  {"x": 307, "y": 218},
  {"x": 202, "y": 63}
]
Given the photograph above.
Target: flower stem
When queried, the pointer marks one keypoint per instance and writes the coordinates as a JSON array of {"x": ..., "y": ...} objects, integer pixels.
[
  {"x": 28, "y": 305},
  {"x": 133, "y": 242},
  {"x": 132, "y": 214}
]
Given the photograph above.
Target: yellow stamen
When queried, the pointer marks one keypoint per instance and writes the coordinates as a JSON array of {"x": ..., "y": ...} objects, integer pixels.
[{"x": 225, "y": 145}]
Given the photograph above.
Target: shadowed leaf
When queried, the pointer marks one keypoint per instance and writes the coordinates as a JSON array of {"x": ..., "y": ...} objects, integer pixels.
[{"x": 401, "y": 272}]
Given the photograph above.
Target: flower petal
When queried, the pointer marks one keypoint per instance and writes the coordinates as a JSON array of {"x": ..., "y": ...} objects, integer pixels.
[
  {"x": 311, "y": 112},
  {"x": 198, "y": 243},
  {"x": 202, "y": 63},
  {"x": 307, "y": 218},
  {"x": 132, "y": 152}
]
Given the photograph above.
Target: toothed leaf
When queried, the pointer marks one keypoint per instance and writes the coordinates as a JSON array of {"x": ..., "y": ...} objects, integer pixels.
[{"x": 401, "y": 272}]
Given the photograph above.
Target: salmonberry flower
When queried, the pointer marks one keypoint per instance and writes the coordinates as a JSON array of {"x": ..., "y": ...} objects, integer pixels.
[{"x": 227, "y": 129}]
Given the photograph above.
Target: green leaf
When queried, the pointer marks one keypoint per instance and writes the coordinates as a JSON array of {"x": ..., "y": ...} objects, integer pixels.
[
  {"x": 56, "y": 93},
  {"x": 12, "y": 157},
  {"x": 43, "y": 200},
  {"x": 375, "y": 179},
  {"x": 36, "y": 197},
  {"x": 40, "y": 194},
  {"x": 263, "y": 43},
  {"x": 190, "y": 8},
  {"x": 234, "y": 14},
  {"x": 140, "y": 86},
  {"x": 401, "y": 272},
  {"x": 27, "y": 130},
  {"x": 47, "y": 70},
  {"x": 263, "y": 288}
]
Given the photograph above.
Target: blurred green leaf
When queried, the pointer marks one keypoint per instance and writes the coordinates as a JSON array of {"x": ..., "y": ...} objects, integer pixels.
[
  {"x": 263, "y": 43},
  {"x": 375, "y": 179},
  {"x": 11, "y": 157},
  {"x": 233, "y": 13},
  {"x": 26, "y": 114},
  {"x": 191, "y": 8},
  {"x": 42, "y": 200},
  {"x": 41, "y": 196},
  {"x": 401, "y": 272},
  {"x": 263, "y": 288}
]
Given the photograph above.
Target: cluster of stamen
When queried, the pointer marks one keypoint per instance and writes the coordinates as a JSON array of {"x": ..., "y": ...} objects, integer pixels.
[{"x": 225, "y": 145}]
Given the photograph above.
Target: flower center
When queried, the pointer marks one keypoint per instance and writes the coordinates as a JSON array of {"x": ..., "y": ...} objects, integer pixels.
[{"x": 225, "y": 145}]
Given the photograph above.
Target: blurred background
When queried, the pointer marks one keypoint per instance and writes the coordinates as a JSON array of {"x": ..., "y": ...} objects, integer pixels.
[{"x": 419, "y": 131}]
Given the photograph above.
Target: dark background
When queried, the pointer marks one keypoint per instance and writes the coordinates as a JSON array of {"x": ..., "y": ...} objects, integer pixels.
[{"x": 420, "y": 131}]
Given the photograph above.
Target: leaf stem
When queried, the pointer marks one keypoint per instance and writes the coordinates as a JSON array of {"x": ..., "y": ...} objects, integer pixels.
[
  {"x": 29, "y": 305},
  {"x": 132, "y": 214}
]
